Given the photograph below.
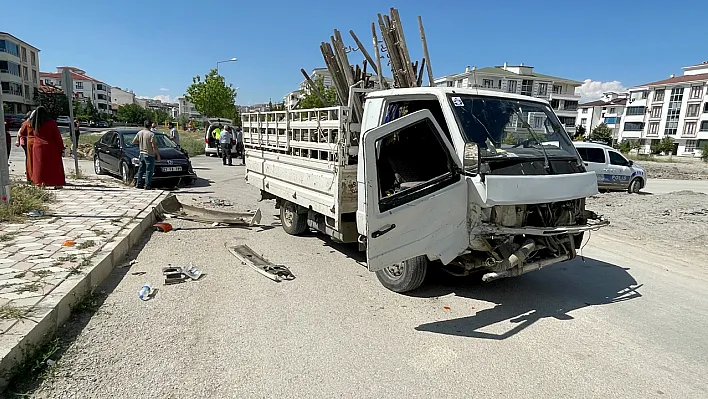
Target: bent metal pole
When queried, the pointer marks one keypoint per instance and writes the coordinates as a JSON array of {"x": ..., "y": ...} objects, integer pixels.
[{"x": 4, "y": 167}]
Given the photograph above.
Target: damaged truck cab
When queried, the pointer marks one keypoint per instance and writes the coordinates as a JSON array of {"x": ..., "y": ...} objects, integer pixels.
[{"x": 464, "y": 179}]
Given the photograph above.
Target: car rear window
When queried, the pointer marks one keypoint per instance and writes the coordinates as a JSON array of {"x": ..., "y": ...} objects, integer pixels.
[{"x": 595, "y": 155}]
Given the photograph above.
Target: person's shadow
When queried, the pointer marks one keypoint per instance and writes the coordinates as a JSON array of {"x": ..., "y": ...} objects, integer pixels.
[{"x": 550, "y": 292}]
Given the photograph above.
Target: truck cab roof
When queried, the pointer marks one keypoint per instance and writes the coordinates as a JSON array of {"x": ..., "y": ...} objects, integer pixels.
[{"x": 452, "y": 90}]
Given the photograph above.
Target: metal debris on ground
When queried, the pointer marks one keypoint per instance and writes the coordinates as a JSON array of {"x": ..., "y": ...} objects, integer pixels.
[
  {"x": 218, "y": 202},
  {"x": 128, "y": 264},
  {"x": 172, "y": 206},
  {"x": 35, "y": 213},
  {"x": 250, "y": 258},
  {"x": 176, "y": 275}
]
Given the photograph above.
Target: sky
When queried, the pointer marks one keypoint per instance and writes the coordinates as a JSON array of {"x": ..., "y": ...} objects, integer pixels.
[{"x": 155, "y": 47}]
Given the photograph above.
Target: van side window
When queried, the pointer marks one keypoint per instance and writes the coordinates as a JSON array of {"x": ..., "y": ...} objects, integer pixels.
[
  {"x": 594, "y": 155},
  {"x": 402, "y": 108},
  {"x": 617, "y": 159},
  {"x": 408, "y": 161}
]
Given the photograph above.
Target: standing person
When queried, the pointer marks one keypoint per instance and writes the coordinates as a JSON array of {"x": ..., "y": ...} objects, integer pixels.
[
  {"x": 27, "y": 133},
  {"x": 153, "y": 128},
  {"x": 77, "y": 129},
  {"x": 174, "y": 134},
  {"x": 239, "y": 145},
  {"x": 22, "y": 139},
  {"x": 148, "y": 155},
  {"x": 47, "y": 150},
  {"x": 226, "y": 139}
]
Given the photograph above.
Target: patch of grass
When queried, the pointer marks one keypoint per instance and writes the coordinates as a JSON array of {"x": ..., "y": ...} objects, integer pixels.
[
  {"x": 67, "y": 258},
  {"x": 99, "y": 232},
  {"x": 86, "y": 244},
  {"x": 76, "y": 175},
  {"x": 85, "y": 262},
  {"x": 8, "y": 312},
  {"x": 41, "y": 273},
  {"x": 25, "y": 198},
  {"x": 7, "y": 237},
  {"x": 192, "y": 142},
  {"x": 35, "y": 365},
  {"x": 73, "y": 271},
  {"x": 29, "y": 287}
]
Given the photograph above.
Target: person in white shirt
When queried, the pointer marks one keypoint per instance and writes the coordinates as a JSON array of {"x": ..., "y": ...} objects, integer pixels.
[
  {"x": 174, "y": 134},
  {"x": 226, "y": 141}
]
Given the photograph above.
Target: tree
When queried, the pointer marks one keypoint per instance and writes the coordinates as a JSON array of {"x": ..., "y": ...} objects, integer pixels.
[
  {"x": 211, "y": 96},
  {"x": 580, "y": 133},
  {"x": 54, "y": 101},
  {"x": 132, "y": 113},
  {"x": 90, "y": 110},
  {"x": 311, "y": 100},
  {"x": 602, "y": 133},
  {"x": 704, "y": 152},
  {"x": 627, "y": 146},
  {"x": 666, "y": 145}
]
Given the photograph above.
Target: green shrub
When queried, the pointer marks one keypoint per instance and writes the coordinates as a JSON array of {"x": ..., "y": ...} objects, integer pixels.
[{"x": 25, "y": 198}]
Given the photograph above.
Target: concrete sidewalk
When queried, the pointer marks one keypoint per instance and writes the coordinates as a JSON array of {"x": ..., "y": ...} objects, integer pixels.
[{"x": 41, "y": 279}]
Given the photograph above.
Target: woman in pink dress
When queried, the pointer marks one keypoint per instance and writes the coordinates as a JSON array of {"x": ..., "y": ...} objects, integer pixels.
[{"x": 47, "y": 151}]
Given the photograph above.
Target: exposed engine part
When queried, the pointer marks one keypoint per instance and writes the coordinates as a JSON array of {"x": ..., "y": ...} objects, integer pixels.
[{"x": 517, "y": 271}]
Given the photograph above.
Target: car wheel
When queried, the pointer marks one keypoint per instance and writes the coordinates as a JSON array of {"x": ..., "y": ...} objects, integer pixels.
[
  {"x": 97, "y": 166},
  {"x": 125, "y": 173},
  {"x": 634, "y": 186},
  {"x": 405, "y": 276}
]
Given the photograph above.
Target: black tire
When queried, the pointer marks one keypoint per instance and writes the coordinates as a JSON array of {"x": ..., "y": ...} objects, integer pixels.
[
  {"x": 294, "y": 223},
  {"x": 97, "y": 166},
  {"x": 124, "y": 170},
  {"x": 634, "y": 186},
  {"x": 405, "y": 277}
]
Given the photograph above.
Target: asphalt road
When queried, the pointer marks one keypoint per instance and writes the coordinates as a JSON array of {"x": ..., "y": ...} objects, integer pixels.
[{"x": 622, "y": 322}]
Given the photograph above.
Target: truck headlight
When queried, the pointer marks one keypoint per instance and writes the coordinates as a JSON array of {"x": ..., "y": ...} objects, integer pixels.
[{"x": 135, "y": 161}]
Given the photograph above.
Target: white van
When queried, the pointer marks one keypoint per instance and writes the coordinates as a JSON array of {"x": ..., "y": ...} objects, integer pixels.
[
  {"x": 211, "y": 147},
  {"x": 614, "y": 171}
]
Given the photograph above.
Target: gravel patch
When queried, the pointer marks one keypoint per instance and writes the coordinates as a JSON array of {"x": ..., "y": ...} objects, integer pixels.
[
  {"x": 678, "y": 219},
  {"x": 694, "y": 170}
]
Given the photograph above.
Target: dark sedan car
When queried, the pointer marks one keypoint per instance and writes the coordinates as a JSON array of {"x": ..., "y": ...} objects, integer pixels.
[{"x": 116, "y": 154}]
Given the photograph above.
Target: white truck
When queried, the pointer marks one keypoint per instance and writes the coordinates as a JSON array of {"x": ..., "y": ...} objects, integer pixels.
[{"x": 464, "y": 179}]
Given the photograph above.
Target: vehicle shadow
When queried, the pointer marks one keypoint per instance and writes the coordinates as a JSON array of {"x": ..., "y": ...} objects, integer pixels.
[{"x": 554, "y": 292}]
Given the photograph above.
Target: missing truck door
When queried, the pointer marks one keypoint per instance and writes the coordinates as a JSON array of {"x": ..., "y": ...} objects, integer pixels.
[{"x": 416, "y": 200}]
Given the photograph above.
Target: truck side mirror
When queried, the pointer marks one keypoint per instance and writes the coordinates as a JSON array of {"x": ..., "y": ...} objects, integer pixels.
[
  {"x": 471, "y": 158},
  {"x": 630, "y": 162}
]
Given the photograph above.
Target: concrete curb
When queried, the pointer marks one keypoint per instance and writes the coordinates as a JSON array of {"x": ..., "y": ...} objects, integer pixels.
[{"x": 55, "y": 308}]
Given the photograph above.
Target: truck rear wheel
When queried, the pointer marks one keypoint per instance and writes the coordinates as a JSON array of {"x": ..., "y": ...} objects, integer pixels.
[
  {"x": 405, "y": 276},
  {"x": 294, "y": 223}
]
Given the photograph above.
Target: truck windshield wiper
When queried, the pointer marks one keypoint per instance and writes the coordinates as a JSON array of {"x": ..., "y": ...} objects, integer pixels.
[{"x": 546, "y": 163}]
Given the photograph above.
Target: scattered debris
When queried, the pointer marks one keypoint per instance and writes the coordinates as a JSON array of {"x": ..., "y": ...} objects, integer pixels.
[
  {"x": 68, "y": 243},
  {"x": 192, "y": 272},
  {"x": 171, "y": 206},
  {"x": 248, "y": 257},
  {"x": 446, "y": 307},
  {"x": 217, "y": 202},
  {"x": 146, "y": 292},
  {"x": 35, "y": 213},
  {"x": 128, "y": 264},
  {"x": 50, "y": 362},
  {"x": 163, "y": 227},
  {"x": 176, "y": 275}
]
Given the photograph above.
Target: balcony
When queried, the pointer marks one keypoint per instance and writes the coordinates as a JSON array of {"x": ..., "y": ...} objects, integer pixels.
[{"x": 563, "y": 96}]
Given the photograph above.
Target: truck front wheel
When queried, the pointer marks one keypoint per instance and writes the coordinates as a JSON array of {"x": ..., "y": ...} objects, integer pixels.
[
  {"x": 294, "y": 223},
  {"x": 405, "y": 276}
]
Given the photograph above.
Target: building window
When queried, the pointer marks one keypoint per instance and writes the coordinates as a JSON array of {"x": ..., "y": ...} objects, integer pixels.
[
  {"x": 645, "y": 94},
  {"x": 611, "y": 120},
  {"x": 689, "y": 128},
  {"x": 24, "y": 54},
  {"x": 585, "y": 110},
  {"x": 637, "y": 110},
  {"x": 25, "y": 74},
  {"x": 27, "y": 92},
  {"x": 584, "y": 121},
  {"x": 656, "y": 112},
  {"x": 705, "y": 107},
  {"x": 659, "y": 95},
  {"x": 634, "y": 126},
  {"x": 488, "y": 83},
  {"x": 10, "y": 68},
  {"x": 79, "y": 85},
  {"x": 672, "y": 115},
  {"x": 526, "y": 87},
  {"x": 690, "y": 146},
  {"x": 557, "y": 89},
  {"x": 511, "y": 86},
  {"x": 102, "y": 97},
  {"x": 101, "y": 87},
  {"x": 693, "y": 110},
  {"x": 568, "y": 121},
  {"x": 9, "y": 47},
  {"x": 543, "y": 89},
  {"x": 612, "y": 110},
  {"x": 569, "y": 105},
  {"x": 34, "y": 76},
  {"x": 34, "y": 58},
  {"x": 704, "y": 126},
  {"x": 653, "y": 128},
  {"x": 12, "y": 88},
  {"x": 555, "y": 104},
  {"x": 696, "y": 92}
]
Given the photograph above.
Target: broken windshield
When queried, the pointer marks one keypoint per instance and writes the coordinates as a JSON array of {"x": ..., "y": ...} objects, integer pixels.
[{"x": 505, "y": 127}]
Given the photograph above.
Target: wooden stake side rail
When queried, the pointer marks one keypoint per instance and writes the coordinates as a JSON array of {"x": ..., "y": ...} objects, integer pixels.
[{"x": 316, "y": 134}]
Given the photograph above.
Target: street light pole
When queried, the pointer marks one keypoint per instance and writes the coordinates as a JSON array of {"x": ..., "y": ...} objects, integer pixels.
[
  {"x": 4, "y": 167},
  {"x": 220, "y": 62}
]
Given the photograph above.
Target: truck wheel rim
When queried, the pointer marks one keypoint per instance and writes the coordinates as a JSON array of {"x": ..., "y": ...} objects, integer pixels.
[
  {"x": 288, "y": 216},
  {"x": 395, "y": 272},
  {"x": 97, "y": 165}
]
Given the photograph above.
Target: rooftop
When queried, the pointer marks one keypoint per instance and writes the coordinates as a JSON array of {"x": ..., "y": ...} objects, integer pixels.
[
  {"x": 677, "y": 79},
  {"x": 600, "y": 103},
  {"x": 19, "y": 40},
  {"x": 500, "y": 71},
  {"x": 75, "y": 76}
]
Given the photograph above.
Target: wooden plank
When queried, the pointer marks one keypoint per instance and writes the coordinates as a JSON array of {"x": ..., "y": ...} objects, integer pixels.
[
  {"x": 420, "y": 72},
  {"x": 375, "y": 41},
  {"x": 314, "y": 88},
  {"x": 403, "y": 48},
  {"x": 431, "y": 78},
  {"x": 363, "y": 51}
]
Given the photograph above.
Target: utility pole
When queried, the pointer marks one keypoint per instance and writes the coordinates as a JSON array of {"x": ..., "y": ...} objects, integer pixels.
[{"x": 4, "y": 167}]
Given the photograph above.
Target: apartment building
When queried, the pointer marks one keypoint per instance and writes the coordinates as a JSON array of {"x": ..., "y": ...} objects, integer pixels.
[
  {"x": 187, "y": 109},
  {"x": 19, "y": 73},
  {"x": 676, "y": 107},
  {"x": 122, "y": 97},
  {"x": 86, "y": 88},
  {"x": 608, "y": 110},
  {"x": 522, "y": 79}
]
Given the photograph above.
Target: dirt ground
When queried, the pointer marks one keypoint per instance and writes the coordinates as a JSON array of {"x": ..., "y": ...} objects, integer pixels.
[
  {"x": 676, "y": 220},
  {"x": 681, "y": 169}
]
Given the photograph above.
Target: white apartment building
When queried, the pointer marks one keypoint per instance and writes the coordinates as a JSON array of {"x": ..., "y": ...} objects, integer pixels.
[
  {"x": 292, "y": 99},
  {"x": 122, "y": 97},
  {"x": 608, "y": 110},
  {"x": 19, "y": 73},
  {"x": 521, "y": 79},
  {"x": 676, "y": 107},
  {"x": 86, "y": 88},
  {"x": 186, "y": 108}
]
